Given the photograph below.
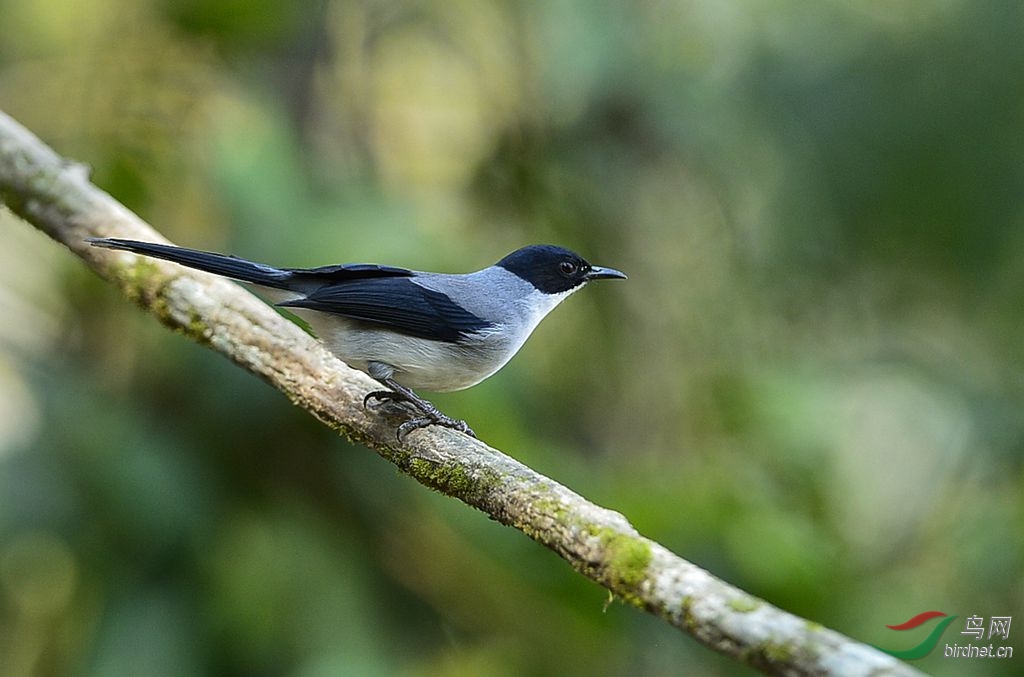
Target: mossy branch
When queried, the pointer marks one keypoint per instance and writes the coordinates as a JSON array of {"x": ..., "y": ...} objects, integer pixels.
[{"x": 56, "y": 196}]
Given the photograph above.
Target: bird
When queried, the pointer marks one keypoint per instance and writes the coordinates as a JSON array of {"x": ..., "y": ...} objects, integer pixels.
[{"x": 408, "y": 329}]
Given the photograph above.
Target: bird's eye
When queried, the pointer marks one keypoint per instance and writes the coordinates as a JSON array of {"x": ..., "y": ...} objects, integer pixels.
[{"x": 567, "y": 268}]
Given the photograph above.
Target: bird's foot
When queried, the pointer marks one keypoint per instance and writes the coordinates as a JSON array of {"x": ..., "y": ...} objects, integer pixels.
[
  {"x": 431, "y": 415},
  {"x": 434, "y": 419}
]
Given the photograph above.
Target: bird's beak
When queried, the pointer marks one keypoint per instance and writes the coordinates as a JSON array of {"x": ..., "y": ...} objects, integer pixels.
[{"x": 599, "y": 273}]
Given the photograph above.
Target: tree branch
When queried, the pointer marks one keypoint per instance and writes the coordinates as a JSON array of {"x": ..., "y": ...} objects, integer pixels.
[{"x": 56, "y": 196}]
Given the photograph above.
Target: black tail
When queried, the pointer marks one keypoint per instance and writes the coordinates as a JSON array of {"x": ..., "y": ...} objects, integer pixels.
[{"x": 228, "y": 266}]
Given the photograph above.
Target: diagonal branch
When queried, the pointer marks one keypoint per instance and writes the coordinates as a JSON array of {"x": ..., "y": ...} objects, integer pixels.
[{"x": 57, "y": 197}]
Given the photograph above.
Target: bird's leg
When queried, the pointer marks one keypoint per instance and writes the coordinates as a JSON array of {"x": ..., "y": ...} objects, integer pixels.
[{"x": 431, "y": 414}]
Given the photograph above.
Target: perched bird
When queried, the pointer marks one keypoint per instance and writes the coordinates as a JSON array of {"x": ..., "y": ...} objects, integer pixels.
[{"x": 405, "y": 328}]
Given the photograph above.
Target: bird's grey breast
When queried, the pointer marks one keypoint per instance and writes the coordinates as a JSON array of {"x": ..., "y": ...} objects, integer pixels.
[
  {"x": 509, "y": 304},
  {"x": 492, "y": 294}
]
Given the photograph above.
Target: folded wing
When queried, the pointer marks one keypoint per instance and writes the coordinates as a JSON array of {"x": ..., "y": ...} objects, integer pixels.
[{"x": 398, "y": 303}]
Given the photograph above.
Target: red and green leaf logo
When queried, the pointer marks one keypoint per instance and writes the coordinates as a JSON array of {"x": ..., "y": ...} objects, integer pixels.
[{"x": 925, "y": 647}]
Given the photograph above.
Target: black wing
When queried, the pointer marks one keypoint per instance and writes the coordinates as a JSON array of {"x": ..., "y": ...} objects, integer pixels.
[
  {"x": 397, "y": 303},
  {"x": 350, "y": 271}
]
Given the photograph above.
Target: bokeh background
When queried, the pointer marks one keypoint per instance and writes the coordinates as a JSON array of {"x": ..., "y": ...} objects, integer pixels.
[{"x": 812, "y": 383}]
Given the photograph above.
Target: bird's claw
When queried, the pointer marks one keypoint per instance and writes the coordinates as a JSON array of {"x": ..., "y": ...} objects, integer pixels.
[
  {"x": 382, "y": 396},
  {"x": 430, "y": 417},
  {"x": 410, "y": 425},
  {"x": 434, "y": 419}
]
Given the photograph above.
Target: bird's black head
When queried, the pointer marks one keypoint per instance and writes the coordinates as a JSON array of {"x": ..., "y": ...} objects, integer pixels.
[{"x": 552, "y": 269}]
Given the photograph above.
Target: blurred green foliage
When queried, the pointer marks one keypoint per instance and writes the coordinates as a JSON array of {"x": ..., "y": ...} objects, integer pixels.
[{"x": 812, "y": 384}]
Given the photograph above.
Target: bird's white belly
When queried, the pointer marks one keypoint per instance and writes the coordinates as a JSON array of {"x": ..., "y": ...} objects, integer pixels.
[{"x": 421, "y": 364}]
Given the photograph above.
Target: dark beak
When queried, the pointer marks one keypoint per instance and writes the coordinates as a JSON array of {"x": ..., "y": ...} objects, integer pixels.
[{"x": 599, "y": 273}]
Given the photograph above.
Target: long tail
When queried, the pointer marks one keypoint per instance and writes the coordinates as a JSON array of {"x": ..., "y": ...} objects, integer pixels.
[{"x": 221, "y": 264}]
